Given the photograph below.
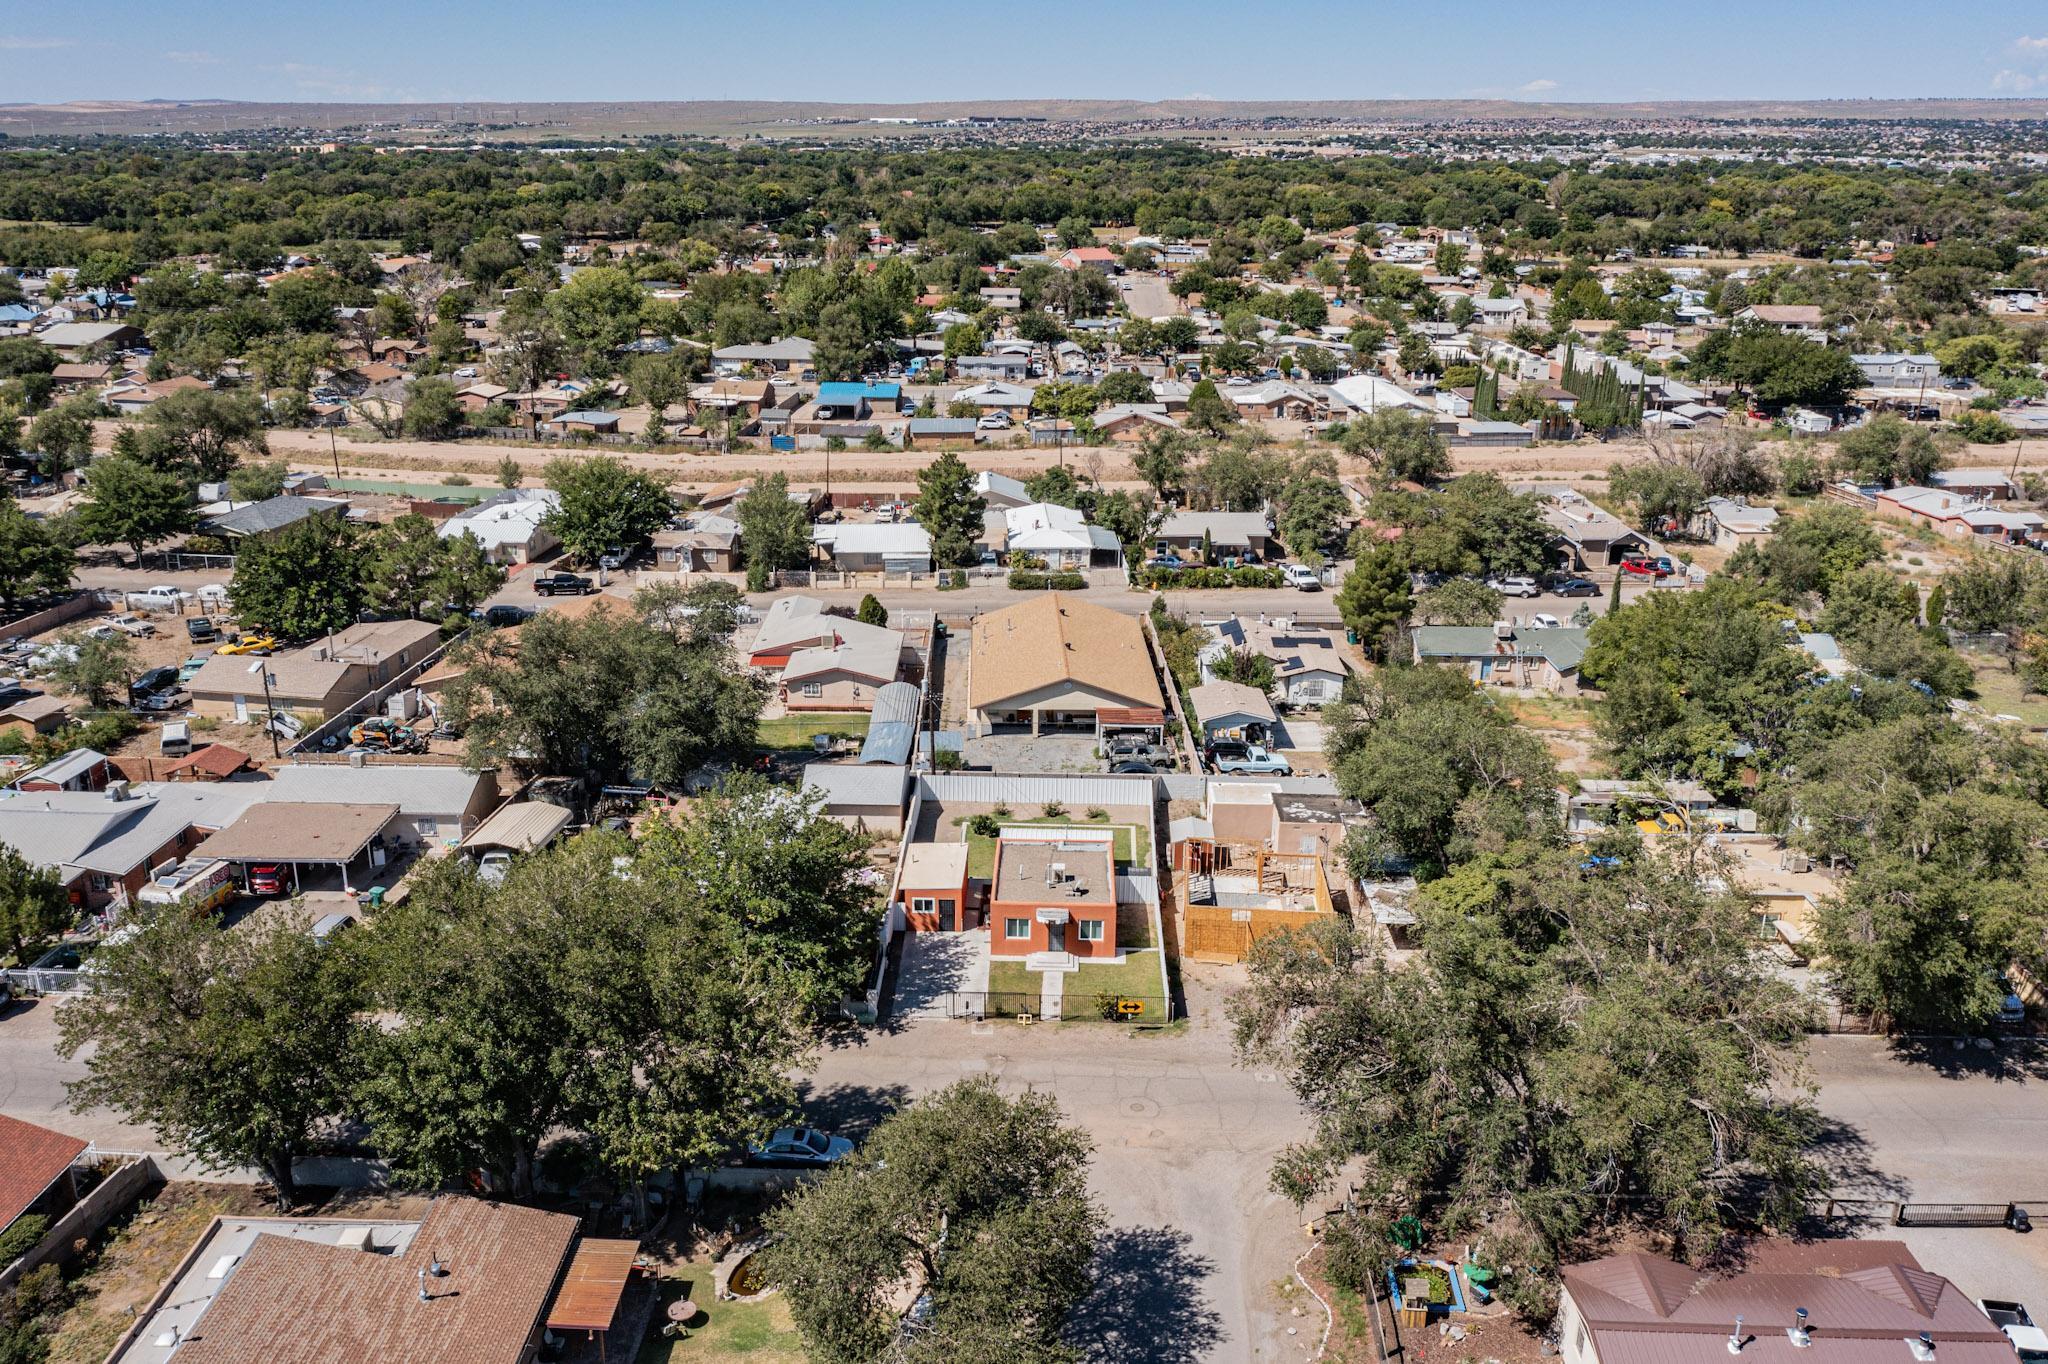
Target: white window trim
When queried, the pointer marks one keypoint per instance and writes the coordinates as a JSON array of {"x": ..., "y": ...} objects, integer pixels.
[
  {"x": 1010, "y": 927},
  {"x": 814, "y": 689},
  {"x": 923, "y": 904},
  {"x": 1086, "y": 925}
]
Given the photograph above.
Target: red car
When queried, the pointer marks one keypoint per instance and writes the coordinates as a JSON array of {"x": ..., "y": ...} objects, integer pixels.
[
  {"x": 1647, "y": 568},
  {"x": 266, "y": 879}
]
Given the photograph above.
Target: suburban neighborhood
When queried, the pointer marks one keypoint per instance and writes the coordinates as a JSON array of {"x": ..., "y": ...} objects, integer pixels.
[{"x": 1152, "y": 732}]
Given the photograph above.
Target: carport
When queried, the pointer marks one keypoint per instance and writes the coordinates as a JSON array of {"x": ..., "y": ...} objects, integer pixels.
[
  {"x": 1149, "y": 721},
  {"x": 303, "y": 834}
]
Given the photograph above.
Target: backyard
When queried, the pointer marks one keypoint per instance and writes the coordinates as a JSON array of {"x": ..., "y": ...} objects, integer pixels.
[
  {"x": 2000, "y": 691},
  {"x": 786, "y": 732},
  {"x": 1131, "y": 842},
  {"x": 758, "y": 1332}
]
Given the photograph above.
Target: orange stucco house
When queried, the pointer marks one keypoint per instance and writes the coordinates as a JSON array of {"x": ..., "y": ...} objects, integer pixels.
[{"x": 1055, "y": 893}]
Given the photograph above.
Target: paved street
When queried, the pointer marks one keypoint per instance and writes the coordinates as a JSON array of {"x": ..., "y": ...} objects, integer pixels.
[{"x": 1184, "y": 1140}]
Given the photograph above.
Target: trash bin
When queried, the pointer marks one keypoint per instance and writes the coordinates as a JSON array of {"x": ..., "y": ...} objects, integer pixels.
[{"x": 376, "y": 897}]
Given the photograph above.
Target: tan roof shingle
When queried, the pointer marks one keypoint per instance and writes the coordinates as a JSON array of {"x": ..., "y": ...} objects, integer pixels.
[{"x": 1058, "y": 638}]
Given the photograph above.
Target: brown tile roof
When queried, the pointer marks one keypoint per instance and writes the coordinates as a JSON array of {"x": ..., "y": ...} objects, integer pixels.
[
  {"x": 31, "y": 1159},
  {"x": 1055, "y": 639},
  {"x": 300, "y": 1302},
  {"x": 1645, "y": 1310}
]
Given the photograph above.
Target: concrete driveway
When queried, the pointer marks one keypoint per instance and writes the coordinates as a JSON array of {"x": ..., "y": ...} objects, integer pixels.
[
  {"x": 931, "y": 967},
  {"x": 1033, "y": 753}
]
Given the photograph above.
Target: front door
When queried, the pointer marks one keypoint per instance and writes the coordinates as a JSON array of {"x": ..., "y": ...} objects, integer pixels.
[
  {"x": 946, "y": 915},
  {"x": 1055, "y": 937}
]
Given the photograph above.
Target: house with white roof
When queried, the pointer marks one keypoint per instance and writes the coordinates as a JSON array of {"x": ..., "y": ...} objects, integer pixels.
[
  {"x": 1367, "y": 393},
  {"x": 1061, "y": 536},
  {"x": 857, "y": 548},
  {"x": 1958, "y": 515},
  {"x": 1014, "y": 399},
  {"x": 1891, "y": 369},
  {"x": 1731, "y": 524},
  {"x": 1000, "y": 490},
  {"x": 511, "y": 526}
]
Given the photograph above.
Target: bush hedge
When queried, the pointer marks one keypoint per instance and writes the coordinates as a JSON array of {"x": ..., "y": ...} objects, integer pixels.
[
  {"x": 1024, "y": 580},
  {"x": 1247, "y": 576}
]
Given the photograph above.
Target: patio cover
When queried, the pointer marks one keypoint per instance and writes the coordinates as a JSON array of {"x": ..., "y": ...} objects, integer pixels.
[
  {"x": 596, "y": 1279},
  {"x": 293, "y": 831}
]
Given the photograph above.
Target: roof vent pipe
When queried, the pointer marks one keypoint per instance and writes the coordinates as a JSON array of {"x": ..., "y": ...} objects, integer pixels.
[
  {"x": 1797, "y": 1333},
  {"x": 1735, "y": 1338},
  {"x": 1922, "y": 1348}
]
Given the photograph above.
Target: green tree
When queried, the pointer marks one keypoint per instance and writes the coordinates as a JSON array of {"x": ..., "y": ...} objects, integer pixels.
[
  {"x": 871, "y": 611},
  {"x": 1162, "y": 461},
  {"x": 604, "y": 505},
  {"x": 32, "y": 558},
  {"x": 237, "y": 1047},
  {"x": 1123, "y": 386},
  {"x": 1810, "y": 551},
  {"x": 1374, "y": 599},
  {"x": 1312, "y": 507},
  {"x": 1657, "y": 491},
  {"x": 1207, "y": 411},
  {"x": 33, "y": 902},
  {"x": 597, "y": 311},
  {"x": 984, "y": 1198},
  {"x": 1458, "y": 601},
  {"x": 300, "y": 581},
  {"x": 949, "y": 510},
  {"x": 203, "y": 432},
  {"x": 63, "y": 436},
  {"x": 1402, "y": 446},
  {"x": 1887, "y": 450},
  {"x": 775, "y": 531},
  {"x": 432, "y": 411},
  {"x": 95, "y": 668},
  {"x": 1584, "y": 1054},
  {"x": 592, "y": 988},
  {"x": 256, "y": 482},
  {"x": 129, "y": 503},
  {"x": 407, "y": 563},
  {"x": 510, "y": 472},
  {"x": 606, "y": 697}
]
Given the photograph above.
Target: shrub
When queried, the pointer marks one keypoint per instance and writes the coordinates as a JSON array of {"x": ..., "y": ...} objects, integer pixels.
[
  {"x": 1097, "y": 812},
  {"x": 19, "y": 1239},
  {"x": 948, "y": 760},
  {"x": 1052, "y": 809},
  {"x": 206, "y": 544},
  {"x": 456, "y": 481},
  {"x": 1067, "y": 582},
  {"x": 987, "y": 826},
  {"x": 1002, "y": 810}
]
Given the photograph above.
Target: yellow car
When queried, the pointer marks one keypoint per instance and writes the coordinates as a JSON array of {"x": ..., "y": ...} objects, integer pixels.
[{"x": 249, "y": 644}]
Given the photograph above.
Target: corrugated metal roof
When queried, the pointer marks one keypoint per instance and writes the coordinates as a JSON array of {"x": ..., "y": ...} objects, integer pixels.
[
  {"x": 522, "y": 826},
  {"x": 892, "y": 729},
  {"x": 869, "y": 784}
]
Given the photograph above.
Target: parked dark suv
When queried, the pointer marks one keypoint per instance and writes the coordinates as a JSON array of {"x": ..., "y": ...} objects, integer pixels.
[
  {"x": 563, "y": 584},
  {"x": 201, "y": 629}
]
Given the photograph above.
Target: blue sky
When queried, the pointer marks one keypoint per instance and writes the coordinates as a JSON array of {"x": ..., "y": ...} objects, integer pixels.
[{"x": 504, "y": 50}]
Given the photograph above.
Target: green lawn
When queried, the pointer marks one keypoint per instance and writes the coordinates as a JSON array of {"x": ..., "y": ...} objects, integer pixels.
[
  {"x": 758, "y": 1332},
  {"x": 1136, "y": 976},
  {"x": 795, "y": 731},
  {"x": 1131, "y": 843}
]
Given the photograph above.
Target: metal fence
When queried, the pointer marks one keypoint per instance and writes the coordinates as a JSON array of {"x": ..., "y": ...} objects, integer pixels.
[
  {"x": 43, "y": 980},
  {"x": 1110, "y": 1008},
  {"x": 1076, "y": 792}
]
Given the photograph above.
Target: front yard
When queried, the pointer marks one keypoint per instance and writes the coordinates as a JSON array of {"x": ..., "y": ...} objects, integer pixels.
[{"x": 1135, "y": 977}]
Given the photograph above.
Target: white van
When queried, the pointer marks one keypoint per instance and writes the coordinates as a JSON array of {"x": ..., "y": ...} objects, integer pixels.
[{"x": 175, "y": 739}]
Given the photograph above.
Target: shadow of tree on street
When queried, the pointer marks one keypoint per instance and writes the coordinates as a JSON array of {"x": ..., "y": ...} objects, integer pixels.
[
  {"x": 1148, "y": 1306},
  {"x": 2015, "y": 1060},
  {"x": 849, "y": 1111}
]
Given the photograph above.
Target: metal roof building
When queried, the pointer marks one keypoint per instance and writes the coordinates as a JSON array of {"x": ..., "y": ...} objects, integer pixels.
[{"x": 892, "y": 729}]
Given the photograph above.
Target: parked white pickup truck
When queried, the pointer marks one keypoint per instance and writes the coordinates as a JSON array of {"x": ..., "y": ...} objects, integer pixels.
[
  {"x": 1303, "y": 578},
  {"x": 2029, "y": 1340}
]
